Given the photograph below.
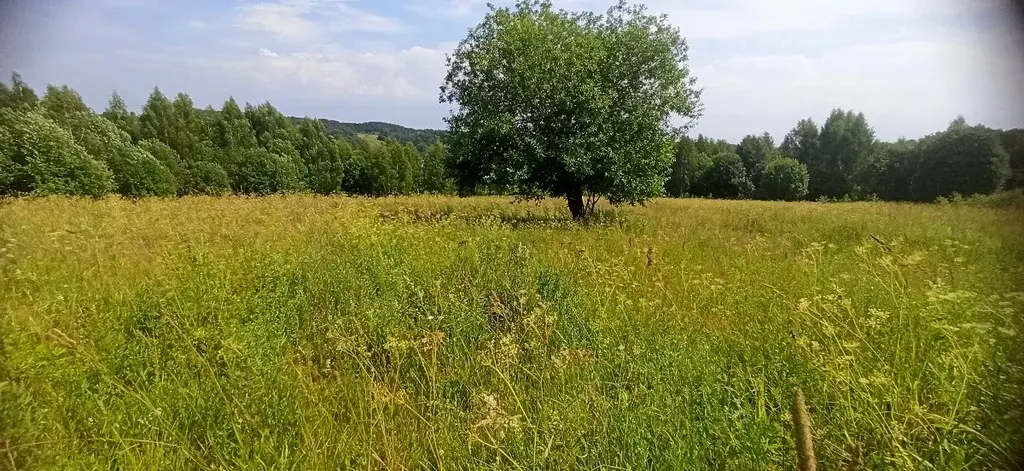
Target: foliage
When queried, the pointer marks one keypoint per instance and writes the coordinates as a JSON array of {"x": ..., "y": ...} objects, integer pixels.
[
  {"x": 890, "y": 170},
  {"x": 435, "y": 177},
  {"x": 62, "y": 101},
  {"x": 421, "y": 138},
  {"x": 756, "y": 152},
  {"x": 7, "y": 166},
  {"x": 204, "y": 178},
  {"x": 964, "y": 159},
  {"x": 261, "y": 172},
  {"x": 140, "y": 174},
  {"x": 19, "y": 96},
  {"x": 153, "y": 152},
  {"x": 390, "y": 169},
  {"x": 783, "y": 178},
  {"x": 165, "y": 155},
  {"x": 1013, "y": 142},
  {"x": 689, "y": 169},
  {"x": 323, "y": 156},
  {"x": 136, "y": 172},
  {"x": 41, "y": 158},
  {"x": 117, "y": 113},
  {"x": 845, "y": 143},
  {"x": 268, "y": 124},
  {"x": 233, "y": 132},
  {"x": 597, "y": 124},
  {"x": 726, "y": 178}
]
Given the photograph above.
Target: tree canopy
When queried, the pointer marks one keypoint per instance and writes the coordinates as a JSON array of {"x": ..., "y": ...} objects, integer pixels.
[
  {"x": 577, "y": 135},
  {"x": 561, "y": 103},
  {"x": 58, "y": 145}
]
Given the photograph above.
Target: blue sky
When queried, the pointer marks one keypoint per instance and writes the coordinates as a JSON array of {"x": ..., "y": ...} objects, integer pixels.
[{"x": 910, "y": 65}]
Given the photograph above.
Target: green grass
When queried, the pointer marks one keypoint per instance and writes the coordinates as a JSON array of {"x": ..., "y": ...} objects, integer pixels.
[{"x": 330, "y": 333}]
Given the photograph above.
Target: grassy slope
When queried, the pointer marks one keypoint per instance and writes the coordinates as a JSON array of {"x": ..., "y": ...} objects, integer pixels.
[{"x": 322, "y": 333}]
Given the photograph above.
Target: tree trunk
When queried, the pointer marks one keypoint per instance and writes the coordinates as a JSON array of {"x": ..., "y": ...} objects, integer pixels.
[{"x": 576, "y": 205}]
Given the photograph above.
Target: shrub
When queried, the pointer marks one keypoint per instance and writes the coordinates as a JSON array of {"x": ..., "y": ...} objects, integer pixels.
[{"x": 784, "y": 179}]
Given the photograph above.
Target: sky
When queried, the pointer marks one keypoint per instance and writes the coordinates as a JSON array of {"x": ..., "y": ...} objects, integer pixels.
[{"x": 911, "y": 66}]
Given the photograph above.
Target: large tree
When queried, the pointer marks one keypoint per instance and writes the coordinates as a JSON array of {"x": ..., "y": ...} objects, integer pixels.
[
  {"x": 964, "y": 159},
  {"x": 889, "y": 171},
  {"x": 756, "y": 152},
  {"x": 691, "y": 163},
  {"x": 845, "y": 144},
  {"x": 802, "y": 142},
  {"x": 19, "y": 95},
  {"x": 1013, "y": 142},
  {"x": 323, "y": 157},
  {"x": 435, "y": 178},
  {"x": 38, "y": 156},
  {"x": 117, "y": 113},
  {"x": 784, "y": 178},
  {"x": 726, "y": 178},
  {"x": 568, "y": 103}
]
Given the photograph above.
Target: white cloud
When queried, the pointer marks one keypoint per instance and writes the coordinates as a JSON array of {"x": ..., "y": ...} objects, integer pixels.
[
  {"x": 412, "y": 74},
  {"x": 735, "y": 18},
  {"x": 131, "y": 3},
  {"x": 907, "y": 88},
  {"x": 305, "y": 20}
]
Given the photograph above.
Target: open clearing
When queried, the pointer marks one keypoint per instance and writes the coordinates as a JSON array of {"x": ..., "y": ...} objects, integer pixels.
[{"x": 300, "y": 332}]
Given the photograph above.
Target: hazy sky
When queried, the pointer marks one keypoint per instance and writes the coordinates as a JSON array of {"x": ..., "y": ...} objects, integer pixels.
[{"x": 910, "y": 65}]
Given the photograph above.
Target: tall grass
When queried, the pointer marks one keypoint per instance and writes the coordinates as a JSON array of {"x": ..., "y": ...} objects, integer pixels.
[{"x": 329, "y": 333}]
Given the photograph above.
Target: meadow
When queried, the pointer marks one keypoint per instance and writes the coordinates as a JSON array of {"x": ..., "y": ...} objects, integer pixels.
[{"x": 302, "y": 332}]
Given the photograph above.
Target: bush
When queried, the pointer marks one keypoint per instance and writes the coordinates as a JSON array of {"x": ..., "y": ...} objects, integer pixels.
[
  {"x": 784, "y": 179},
  {"x": 41, "y": 158},
  {"x": 204, "y": 178},
  {"x": 727, "y": 177},
  {"x": 1007, "y": 199}
]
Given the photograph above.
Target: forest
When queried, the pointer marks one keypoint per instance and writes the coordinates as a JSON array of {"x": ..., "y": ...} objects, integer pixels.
[{"x": 55, "y": 144}]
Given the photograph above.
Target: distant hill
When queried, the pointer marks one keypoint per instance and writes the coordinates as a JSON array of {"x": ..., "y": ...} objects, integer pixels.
[{"x": 421, "y": 138}]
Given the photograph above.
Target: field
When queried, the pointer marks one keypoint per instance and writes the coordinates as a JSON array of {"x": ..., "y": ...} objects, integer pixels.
[{"x": 300, "y": 332}]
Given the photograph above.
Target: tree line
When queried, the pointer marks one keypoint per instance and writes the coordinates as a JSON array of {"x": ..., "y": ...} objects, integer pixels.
[
  {"x": 55, "y": 144},
  {"x": 421, "y": 138},
  {"x": 842, "y": 159}
]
